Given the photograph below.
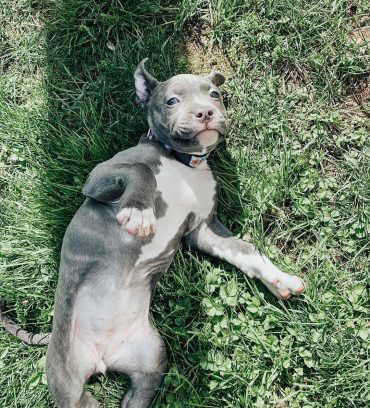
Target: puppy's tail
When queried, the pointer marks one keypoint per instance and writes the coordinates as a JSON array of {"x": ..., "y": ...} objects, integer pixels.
[{"x": 35, "y": 339}]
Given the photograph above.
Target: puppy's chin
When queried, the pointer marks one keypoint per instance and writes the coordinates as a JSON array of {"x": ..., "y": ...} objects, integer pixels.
[
  {"x": 199, "y": 143},
  {"x": 208, "y": 137}
]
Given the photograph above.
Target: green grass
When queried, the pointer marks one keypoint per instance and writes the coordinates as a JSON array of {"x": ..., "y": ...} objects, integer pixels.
[{"x": 294, "y": 176}]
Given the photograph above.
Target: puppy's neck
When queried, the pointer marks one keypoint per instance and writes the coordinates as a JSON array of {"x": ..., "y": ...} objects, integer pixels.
[{"x": 188, "y": 159}]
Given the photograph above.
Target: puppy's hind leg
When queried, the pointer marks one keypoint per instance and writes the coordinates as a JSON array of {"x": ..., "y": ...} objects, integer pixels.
[
  {"x": 143, "y": 358},
  {"x": 66, "y": 378},
  {"x": 143, "y": 389}
]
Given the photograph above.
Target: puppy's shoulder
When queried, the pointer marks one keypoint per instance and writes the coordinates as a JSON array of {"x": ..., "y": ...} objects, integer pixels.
[{"x": 144, "y": 153}]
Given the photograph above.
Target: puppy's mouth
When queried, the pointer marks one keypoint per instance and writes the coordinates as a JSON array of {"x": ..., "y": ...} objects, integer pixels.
[
  {"x": 208, "y": 137},
  {"x": 202, "y": 142},
  {"x": 205, "y": 134},
  {"x": 199, "y": 139}
]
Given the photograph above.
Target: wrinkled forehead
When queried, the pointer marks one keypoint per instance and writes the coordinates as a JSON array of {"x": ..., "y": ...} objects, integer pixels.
[{"x": 186, "y": 84}]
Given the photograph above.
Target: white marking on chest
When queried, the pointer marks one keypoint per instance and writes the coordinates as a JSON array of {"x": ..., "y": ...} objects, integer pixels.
[{"x": 184, "y": 190}]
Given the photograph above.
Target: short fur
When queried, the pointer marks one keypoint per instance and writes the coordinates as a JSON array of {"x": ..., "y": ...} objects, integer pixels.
[{"x": 140, "y": 206}]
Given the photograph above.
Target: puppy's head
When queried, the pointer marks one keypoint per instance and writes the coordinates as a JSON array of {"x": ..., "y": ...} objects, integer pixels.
[{"x": 186, "y": 111}]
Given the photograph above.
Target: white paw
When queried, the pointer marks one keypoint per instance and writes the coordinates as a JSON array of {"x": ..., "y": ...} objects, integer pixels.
[
  {"x": 136, "y": 222},
  {"x": 283, "y": 285},
  {"x": 279, "y": 283}
]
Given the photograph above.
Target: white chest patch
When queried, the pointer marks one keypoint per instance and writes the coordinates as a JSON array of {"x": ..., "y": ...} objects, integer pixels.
[{"x": 184, "y": 190}]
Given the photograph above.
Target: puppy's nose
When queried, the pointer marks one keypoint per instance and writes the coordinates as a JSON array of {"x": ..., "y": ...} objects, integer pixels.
[{"x": 204, "y": 114}]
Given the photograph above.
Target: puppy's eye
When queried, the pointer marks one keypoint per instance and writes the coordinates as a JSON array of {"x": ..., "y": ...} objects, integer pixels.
[
  {"x": 172, "y": 101},
  {"x": 215, "y": 94}
]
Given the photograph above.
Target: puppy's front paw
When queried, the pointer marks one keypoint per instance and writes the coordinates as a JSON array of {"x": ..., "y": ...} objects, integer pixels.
[
  {"x": 140, "y": 223},
  {"x": 284, "y": 286}
]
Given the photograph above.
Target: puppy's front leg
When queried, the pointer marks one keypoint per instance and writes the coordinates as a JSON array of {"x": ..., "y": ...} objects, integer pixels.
[
  {"x": 215, "y": 239},
  {"x": 134, "y": 186}
]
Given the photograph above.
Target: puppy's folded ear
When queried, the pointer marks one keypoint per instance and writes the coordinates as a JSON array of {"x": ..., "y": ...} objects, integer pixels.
[
  {"x": 144, "y": 83},
  {"x": 216, "y": 78}
]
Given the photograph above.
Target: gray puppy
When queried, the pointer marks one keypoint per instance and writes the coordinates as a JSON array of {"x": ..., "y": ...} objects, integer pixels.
[{"x": 140, "y": 206}]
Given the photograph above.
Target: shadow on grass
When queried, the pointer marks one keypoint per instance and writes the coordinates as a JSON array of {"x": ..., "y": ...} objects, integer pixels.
[{"x": 92, "y": 51}]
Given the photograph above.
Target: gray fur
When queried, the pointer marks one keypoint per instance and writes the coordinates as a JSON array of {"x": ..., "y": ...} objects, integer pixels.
[
  {"x": 175, "y": 125},
  {"x": 94, "y": 250},
  {"x": 106, "y": 269}
]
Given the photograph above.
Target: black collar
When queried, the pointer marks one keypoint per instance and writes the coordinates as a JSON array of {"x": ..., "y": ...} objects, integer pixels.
[{"x": 190, "y": 160}]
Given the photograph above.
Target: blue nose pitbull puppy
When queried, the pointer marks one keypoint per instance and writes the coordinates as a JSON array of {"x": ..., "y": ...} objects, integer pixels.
[{"x": 140, "y": 205}]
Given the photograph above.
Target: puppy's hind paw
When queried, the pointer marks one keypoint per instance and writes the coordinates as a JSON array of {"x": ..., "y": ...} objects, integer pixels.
[{"x": 139, "y": 223}]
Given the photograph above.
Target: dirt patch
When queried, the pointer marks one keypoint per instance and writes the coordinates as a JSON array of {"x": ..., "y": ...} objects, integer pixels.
[
  {"x": 361, "y": 92},
  {"x": 204, "y": 58},
  {"x": 361, "y": 35},
  {"x": 358, "y": 96},
  {"x": 282, "y": 404},
  {"x": 361, "y": 30},
  {"x": 295, "y": 78},
  {"x": 202, "y": 55}
]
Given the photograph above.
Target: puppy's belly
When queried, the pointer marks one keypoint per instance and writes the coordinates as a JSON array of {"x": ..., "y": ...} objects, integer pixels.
[{"x": 103, "y": 319}]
